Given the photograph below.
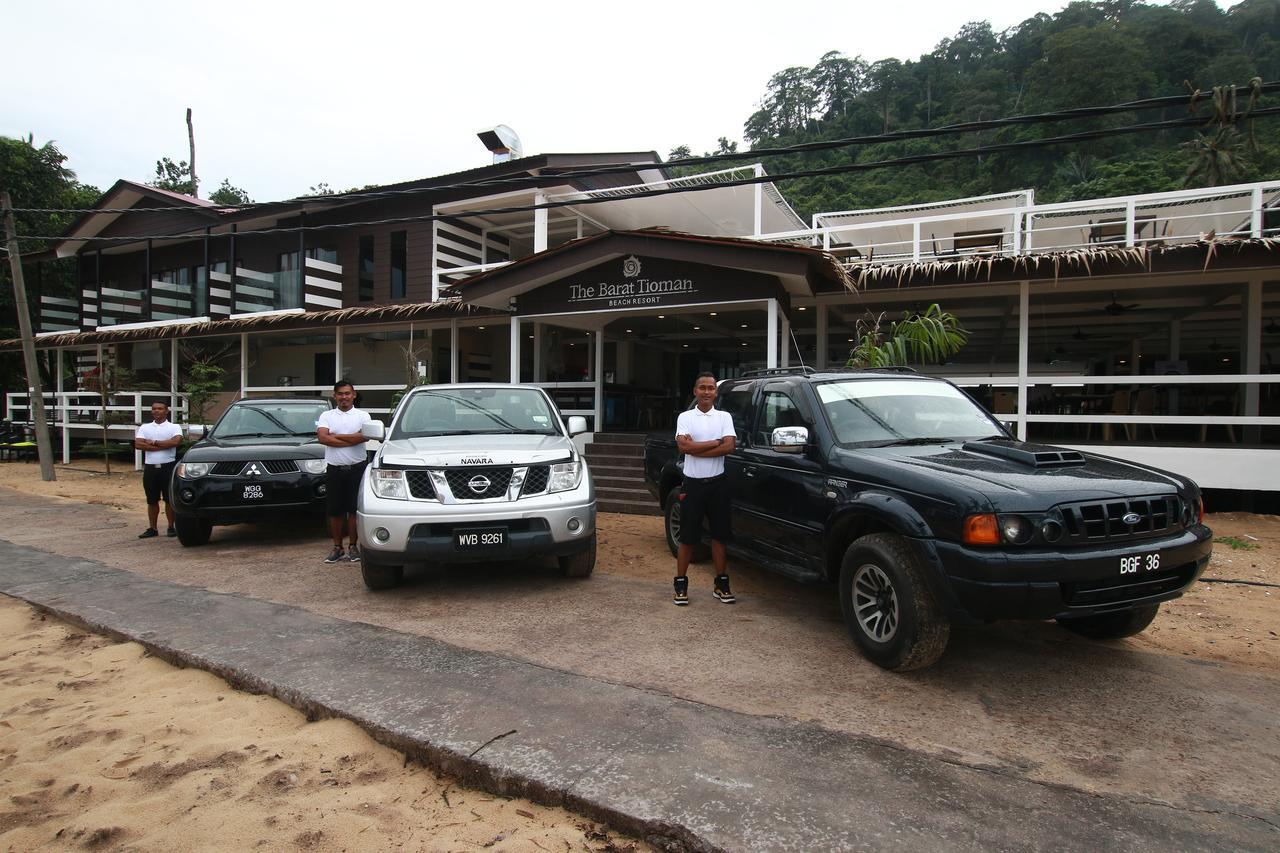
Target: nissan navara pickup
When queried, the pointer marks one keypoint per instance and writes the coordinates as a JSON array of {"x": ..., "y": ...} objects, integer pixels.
[
  {"x": 475, "y": 473},
  {"x": 925, "y": 511}
]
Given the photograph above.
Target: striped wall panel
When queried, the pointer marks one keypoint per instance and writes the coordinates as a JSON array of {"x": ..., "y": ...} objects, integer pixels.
[
  {"x": 58, "y": 314},
  {"x": 322, "y": 287},
  {"x": 257, "y": 291},
  {"x": 170, "y": 301},
  {"x": 458, "y": 244},
  {"x": 88, "y": 309},
  {"x": 117, "y": 306},
  {"x": 219, "y": 295}
]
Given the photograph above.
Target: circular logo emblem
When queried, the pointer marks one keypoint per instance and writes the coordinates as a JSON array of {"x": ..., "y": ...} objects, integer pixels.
[
  {"x": 478, "y": 484},
  {"x": 631, "y": 267},
  {"x": 1131, "y": 518}
]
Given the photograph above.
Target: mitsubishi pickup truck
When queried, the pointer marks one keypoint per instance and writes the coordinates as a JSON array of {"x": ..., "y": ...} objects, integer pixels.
[
  {"x": 474, "y": 473},
  {"x": 924, "y": 511}
]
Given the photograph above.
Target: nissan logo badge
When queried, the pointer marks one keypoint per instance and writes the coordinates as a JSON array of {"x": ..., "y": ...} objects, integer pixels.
[
  {"x": 1131, "y": 518},
  {"x": 478, "y": 484}
]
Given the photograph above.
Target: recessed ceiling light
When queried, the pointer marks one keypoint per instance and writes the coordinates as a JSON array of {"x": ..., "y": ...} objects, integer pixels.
[
  {"x": 697, "y": 328},
  {"x": 531, "y": 337},
  {"x": 743, "y": 326},
  {"x": 744, "y": 343},
  {"x": 850, "y": 340},
  {"x": 686, "y": 346},
  {"x": 482, "y": 328},
  {"x": 628, "y": 331},
  {"x": 662, "y": 316},
  {"x": 802, "y": 308},
  {"x": 713, "y": 313}
]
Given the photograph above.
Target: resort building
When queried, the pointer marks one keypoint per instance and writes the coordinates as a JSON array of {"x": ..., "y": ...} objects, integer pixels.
[{"x": 1145, "y": 327}]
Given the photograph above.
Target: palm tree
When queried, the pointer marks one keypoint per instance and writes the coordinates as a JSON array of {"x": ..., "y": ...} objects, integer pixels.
[{"x": 931, "y": 337}]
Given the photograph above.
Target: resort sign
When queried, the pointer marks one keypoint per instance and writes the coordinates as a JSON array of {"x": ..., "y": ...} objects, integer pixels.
[{"x": 639, "y": 282}]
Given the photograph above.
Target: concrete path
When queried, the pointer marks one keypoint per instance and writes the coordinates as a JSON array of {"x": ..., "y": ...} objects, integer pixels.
[{"x": 675, "y": 772}]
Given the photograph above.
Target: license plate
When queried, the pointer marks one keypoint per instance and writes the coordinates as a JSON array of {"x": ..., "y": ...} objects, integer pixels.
[
  {"x": 251, "y": 492},
  {"x": 1140, "y": 564},
  {"x": 480, "y": 538}
]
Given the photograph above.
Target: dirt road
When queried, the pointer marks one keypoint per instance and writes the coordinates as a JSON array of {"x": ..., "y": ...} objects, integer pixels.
[{"x": 1184, "y": 714}]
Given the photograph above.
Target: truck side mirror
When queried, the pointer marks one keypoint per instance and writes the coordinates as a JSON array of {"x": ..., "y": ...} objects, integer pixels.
[
  {"x": 789, "y": 439},
  {"x": 577, "y": 424},
  {"x": 373, "y": 430}
]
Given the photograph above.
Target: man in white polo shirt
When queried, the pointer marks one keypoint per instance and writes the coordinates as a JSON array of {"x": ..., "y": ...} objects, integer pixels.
[
  {"x": 344, "y": 452},
  {"x": 705, "y": 435},
  {"x": 159, "y": 441}
]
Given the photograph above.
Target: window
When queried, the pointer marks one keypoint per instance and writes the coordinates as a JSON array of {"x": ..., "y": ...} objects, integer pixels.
[
  {"x": 399, "y": 263},
  {"x": 323, "y": 253},
  {"x": 777, "y": 410},
  {"x": 365, "y": 290},
  {"x": 737, "y": 402},
  {"x": 286, "y": 262}
]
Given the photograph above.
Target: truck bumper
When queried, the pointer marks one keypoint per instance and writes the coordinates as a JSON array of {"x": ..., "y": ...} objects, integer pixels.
[{"x": 986, "y": 585}]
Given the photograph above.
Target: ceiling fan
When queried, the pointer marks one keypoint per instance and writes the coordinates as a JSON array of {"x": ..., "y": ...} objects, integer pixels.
[{"x": 1114, "y": 308}]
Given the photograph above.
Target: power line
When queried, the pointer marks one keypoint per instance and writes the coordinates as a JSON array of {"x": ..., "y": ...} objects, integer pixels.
[
  {"x": 916, "y": 159},
  {"x": 533, "y": 181}
]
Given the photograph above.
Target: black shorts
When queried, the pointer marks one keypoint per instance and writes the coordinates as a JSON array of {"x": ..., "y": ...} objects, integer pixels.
[
  {"x": 156, "y": 480},
  {"x": 705, "y": 498},
  {"x": 342, "y": 488}
]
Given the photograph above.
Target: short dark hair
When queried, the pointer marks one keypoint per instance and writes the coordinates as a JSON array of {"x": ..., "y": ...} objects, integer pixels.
[
  {"x": 343, "y": 383},
  {"x": 706, "y": 373},
  {"x": 164, "y": 403}
]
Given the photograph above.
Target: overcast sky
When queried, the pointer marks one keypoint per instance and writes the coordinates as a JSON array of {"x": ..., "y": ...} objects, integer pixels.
[{"x": 288, "y": 94}]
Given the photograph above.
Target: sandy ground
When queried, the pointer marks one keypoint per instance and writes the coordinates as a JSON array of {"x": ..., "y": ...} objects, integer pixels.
[
  {"x": 1026, "y": 699},
  {"x": 105, "y": 747}
]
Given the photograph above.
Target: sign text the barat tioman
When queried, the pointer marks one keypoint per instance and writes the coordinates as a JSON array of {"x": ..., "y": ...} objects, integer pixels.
[{"x": 642, "y": 291}]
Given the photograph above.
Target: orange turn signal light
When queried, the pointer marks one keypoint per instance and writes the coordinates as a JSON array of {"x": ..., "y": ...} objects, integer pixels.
[{"x": 981, "y": 530}]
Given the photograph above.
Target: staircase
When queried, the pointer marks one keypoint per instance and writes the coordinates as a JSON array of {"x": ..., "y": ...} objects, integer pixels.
[{"x": 617, "y": 466}]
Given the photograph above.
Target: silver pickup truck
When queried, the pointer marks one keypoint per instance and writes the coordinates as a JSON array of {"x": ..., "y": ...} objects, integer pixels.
[{"x": 475, "y": 473}]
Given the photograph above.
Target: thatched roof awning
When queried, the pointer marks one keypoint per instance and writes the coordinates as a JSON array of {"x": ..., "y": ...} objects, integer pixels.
[{"x": 424, "y": 311}]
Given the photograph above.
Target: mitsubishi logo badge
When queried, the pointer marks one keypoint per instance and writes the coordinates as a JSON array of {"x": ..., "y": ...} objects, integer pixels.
[
  {"x": 252, "y": 470},
  {"x": 478, "y": 484}
]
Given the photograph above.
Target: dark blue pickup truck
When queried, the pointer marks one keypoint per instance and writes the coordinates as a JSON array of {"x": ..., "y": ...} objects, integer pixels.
[{"x": 925, "y": 511}]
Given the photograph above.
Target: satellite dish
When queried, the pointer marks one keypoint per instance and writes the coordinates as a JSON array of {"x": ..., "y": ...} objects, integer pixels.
[{"x": 503, "y": 142}]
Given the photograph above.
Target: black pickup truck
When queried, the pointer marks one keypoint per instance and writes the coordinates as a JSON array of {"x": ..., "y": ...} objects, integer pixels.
[{"x": 925, "y": 511}]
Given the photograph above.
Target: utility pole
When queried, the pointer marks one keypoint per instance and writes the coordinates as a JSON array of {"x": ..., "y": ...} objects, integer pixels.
[
  {"x": 36, "y": 392},
  {"x": 191, "y": 138}
]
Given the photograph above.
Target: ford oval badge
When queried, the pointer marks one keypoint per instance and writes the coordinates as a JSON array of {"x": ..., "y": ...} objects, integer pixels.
[{"x": 1131, "y": 518}]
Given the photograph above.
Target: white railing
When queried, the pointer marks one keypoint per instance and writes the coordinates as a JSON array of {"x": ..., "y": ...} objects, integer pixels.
[
  {"x": 82, "y": 411},
  {"x": 1153, "y": 219},
  {"x": 441, "y": 276}
]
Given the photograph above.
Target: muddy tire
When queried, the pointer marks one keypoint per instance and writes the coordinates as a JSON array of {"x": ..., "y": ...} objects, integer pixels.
[
  {"x": 192, "y": 532},
  {"x": 581, "y": 564},
  {"x": 672, "y": 525},
  {"x": 888, "y": 607},
  {"x": 1112, "y": 626},
  {"x": 378, "y": 577}
]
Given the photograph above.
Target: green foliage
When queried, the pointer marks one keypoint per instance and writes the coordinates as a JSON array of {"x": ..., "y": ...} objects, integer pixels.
[
  {"x": 174, "y": 177},
  {"x": 229, "y": 195},
  {"x": 928, "y": 338},
  {"x": 1237, "y": 544},
  {"x": 1091, "y": 52}
]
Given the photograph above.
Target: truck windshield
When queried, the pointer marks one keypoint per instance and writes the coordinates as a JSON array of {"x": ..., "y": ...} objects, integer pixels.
[
  {"x": 261, "y": 420},
  {"x": 901, "y": 411},
  {"x": 475, "y": 411}
]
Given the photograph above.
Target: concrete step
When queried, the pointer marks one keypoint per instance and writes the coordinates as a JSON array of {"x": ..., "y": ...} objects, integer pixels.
[
  {"x": 593, "y": 449},
  {"x": 628, "y": 507},
  {"x": 604, "y": 481},
  {"x": 610, "y": 469},
  {"x": 630, "y": 463},
  {"x": 618, "y": 438}
]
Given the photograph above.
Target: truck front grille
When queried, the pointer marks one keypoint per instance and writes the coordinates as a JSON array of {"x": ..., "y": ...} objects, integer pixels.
[
  {"x": 1103, "y": 521},
  {"x": 1120, "y": 590},
  {"x": 536, "y": 479},
  {"x": 474, "y": 484},
  {"x": 420, "y": 484}
]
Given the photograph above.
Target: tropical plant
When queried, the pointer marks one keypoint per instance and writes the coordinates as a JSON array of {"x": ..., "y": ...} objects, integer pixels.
[{"x": 928, "y": 338}]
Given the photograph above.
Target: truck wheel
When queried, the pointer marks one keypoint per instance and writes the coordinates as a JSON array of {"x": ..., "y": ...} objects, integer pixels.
[
  {"x": 378, "y": 577},
  {"x": 887, "y": 605},
  {"x": 700, "y": 551},
  {"x": 192, "y": 531},
  {"x": 581, "y": 564},
  {"x": 1112, "y": 626}
]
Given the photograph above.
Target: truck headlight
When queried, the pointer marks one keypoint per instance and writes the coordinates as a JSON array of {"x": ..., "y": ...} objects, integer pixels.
[
  {"x": 312, "y": 466},
  {"x": 565, "y": 476},
  {"x": 389, "y": 484},
  {"x": 194, "y": 470}
]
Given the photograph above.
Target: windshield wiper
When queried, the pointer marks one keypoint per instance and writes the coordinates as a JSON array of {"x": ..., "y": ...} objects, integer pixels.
[
  {"x": 258, "y": 435},
  {"x": 904, "y": 442}
]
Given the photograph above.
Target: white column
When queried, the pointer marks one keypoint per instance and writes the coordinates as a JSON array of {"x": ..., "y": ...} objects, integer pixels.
[
  {"x": 537, "y": 353},
  {"x": 1024, "y": 318},
  {"x": 1252, "y": 343},
  {"x": 453, "y": 350},
  {"x": 515, "y": 349},
  {"x": 597, "y": 375},
  {"x": 1255, "y": 218},
  {"x": 820, "y": 319},
  {"x": 66, "y": 413},
  {"x": 771, "y": 334},
  {"x": 430, "y": 360},
  {"x": 173, "y": 372},
  {"x": 915, "y": 241},
  {"x": 759, "y": 202},
  {"x": 244, "y": 363},
  {"x": 539, "y": 224},
  {"x": 785, "y": 335},
  {"x": 337, "y": 353},
  {"x": 1130, "y": 211}
]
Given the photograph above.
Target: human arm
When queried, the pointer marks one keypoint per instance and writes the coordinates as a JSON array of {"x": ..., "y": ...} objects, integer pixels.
[{"x": 333, "y": 439}]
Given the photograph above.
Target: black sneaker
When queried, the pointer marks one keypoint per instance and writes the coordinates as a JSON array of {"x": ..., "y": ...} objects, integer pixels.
[
  {"x": 172, "y": 531},
  {"x": 353, "y": 553},
  {"x": 681, "y": 596},
  {"x": 722, "y": 590},
  {"x": 148, "y": 533},
  {"x": 337, "y": 555}
]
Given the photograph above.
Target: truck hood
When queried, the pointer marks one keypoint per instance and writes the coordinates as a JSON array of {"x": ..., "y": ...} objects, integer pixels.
[
  {"x": 475, "y": 450},
  {"x": 1013, "y": 475},
  {"x": 251, "y": 447}
]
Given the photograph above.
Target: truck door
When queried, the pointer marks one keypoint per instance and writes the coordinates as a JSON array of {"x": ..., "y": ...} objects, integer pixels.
[{"x": 781, "y": 494}]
